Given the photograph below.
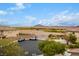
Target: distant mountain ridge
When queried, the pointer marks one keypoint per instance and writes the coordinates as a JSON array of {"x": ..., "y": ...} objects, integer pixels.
[
  {"x": 71, "y": 28},
  {"x": 3, "y": 27},
  {"x": 39, "y": 25}
]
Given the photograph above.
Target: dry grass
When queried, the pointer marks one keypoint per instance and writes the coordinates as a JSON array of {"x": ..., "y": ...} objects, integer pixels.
[{"x": 4, "y": 42}]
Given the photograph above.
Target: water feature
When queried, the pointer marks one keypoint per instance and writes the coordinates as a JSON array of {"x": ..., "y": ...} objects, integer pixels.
[{"x": 31, "y": 47}]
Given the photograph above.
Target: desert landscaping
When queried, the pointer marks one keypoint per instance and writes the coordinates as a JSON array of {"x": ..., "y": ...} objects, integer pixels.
[
  {"x": 11, "y": 35},
  {"x": 39, "y": 29}
]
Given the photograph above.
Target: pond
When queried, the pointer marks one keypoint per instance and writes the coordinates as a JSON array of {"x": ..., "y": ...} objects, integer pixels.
[{"x": 31, "y": 47}]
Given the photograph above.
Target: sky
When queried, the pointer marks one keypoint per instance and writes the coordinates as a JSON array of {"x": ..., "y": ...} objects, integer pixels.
[{"x": 48, "y": 14}]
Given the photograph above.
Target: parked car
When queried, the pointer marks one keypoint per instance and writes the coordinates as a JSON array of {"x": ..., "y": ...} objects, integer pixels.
[
  {"x": 20, "y": 40},
  {"x": 35, "y": 38},
  {"x": 32, "y": 39}
]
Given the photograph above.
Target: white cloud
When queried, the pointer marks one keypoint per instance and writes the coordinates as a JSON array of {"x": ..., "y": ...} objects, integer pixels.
[
  {"x": 44, "y": 22},
  {"x": 30, "y": 20},
  {"x": 4, "y": 22},
  {"x": 62, "y": 18},
  {"x": 18, "y": 6},
  {"x": 3, "y": 12},
  {"x": 65, "y": 18}
]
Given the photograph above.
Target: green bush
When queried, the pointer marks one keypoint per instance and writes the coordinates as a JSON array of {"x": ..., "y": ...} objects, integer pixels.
[
  {"x": 50, "y": 48},
  {"x": 50, "y": 36},
  {"x": 71, "y": 38},
  {"x": 74, "y": 45},
  {"x": 42, "y": 44},
  {"x": 77, "y": 44},
  {"x": 54, "y": 30},
  {"x": 12, "y": 50}
]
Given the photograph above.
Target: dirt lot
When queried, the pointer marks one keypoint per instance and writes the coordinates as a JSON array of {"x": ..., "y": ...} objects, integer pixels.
[{"x": 39, "y": 33}]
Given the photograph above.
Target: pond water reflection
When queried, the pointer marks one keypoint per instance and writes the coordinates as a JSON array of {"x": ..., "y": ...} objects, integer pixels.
[{"x": 31, "y": 47}]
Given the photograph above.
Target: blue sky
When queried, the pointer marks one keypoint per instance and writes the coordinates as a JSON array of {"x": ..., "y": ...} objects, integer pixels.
[{"x": 30, "y": 14}]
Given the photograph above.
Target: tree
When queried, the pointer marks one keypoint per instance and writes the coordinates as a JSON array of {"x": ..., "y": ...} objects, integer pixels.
[
  {"x": 72, "y": 38},
  {"x": 50, "y": 37},
  {"x": 66, "y": 37},
  {"x": 50, "y": 48}
]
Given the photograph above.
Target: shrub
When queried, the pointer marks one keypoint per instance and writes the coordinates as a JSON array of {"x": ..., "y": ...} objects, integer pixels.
[
  {"x": 77, "y": 44},
  {"x": 42, "y": 44},
  {"x": 55, "y": 30},
  {"x": 50, "y": 36},
  {"x": 12, "y": 50},
  {"x": 74, "y": 45},
  {"x": 71, "y": 38},
  {"x": 50, "y": 48}
]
